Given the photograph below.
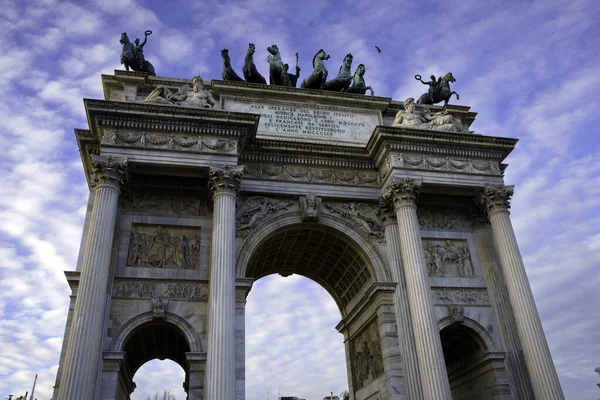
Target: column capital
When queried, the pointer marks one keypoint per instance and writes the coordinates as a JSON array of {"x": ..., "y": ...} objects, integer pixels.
[
  {"x": 402, "y": 193},
  {"x": 494, "y": 199},
  {"x": 225, "y": 179},
  {"x": 109, "y": 171}
]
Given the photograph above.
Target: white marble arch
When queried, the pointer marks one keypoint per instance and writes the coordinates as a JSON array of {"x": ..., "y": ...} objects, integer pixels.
[
  {"x": 193, "y": 338},
  {"x": 375, "y": 261}
]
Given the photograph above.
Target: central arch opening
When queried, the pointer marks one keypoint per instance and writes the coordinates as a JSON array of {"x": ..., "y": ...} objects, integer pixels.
[
  {"x": 320, "y": 253},
  {"x": 306, "y": 278}
]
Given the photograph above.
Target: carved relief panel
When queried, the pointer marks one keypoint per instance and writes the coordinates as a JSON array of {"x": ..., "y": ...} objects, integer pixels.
[
  {"x": 446, "y": 218},
  {"x": 159, "y": 246},
  {"x": 163, "y": 202},
  {"x": 448, "y": 258},
  {"x": 150, "y": 289},
  {"x": 366, "y": 358}
]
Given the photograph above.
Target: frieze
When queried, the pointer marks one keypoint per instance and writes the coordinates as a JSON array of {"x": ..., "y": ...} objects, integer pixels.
[
  {"x": 312, "y": 174},
  {"x": 151, "y": 289},
  {"x": 430, "y": 162},
  {"x": 448, "y": 258},
  {"x": 256, "y": 209},
  {"x": 361, "y": 215},
  {"x": 366, "y": 357},
  {"x": 461, "y": 296},
  {"x": 446, "y": 218},
  {"x": 158, "y": 246},
  {"x": 171, "y": 141},
  {"x": 165, "y": 203}
]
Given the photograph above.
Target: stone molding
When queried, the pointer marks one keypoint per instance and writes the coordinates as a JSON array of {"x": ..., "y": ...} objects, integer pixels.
[
  {"x": 307, "y": 173},
  {"x": 483, "y": 333},
  {"x": 109, "y": 171},
  {"x": 495, "y": 199},
  {"x": 225, "y": 179},
  {"x": 143, "y": 139}
]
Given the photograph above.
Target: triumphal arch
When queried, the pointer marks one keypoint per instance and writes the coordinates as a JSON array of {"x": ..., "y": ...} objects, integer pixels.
[{"x": 397, "y": 209}]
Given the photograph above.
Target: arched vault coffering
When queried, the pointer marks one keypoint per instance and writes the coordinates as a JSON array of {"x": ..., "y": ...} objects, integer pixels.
[{"x": 329, "y": 252}]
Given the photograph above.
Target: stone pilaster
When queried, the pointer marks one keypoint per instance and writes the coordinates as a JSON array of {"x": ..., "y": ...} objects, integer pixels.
[
  {"x": 492, "y": 274},
  {"x": 220, "y": 360},
  {"x": 542, "y": 372},
  {"x": 196, "y": 363},
  {"x": 82, "y": 359},
  {"x": 432, "y": 368},
  {"x": 403, "y": 319}
]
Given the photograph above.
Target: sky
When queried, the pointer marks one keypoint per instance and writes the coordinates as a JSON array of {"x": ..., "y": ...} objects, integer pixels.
[{"x": 528, "y": 68}]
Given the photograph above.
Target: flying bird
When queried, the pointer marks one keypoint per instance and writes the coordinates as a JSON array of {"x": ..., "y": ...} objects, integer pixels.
[{"x": 378, "y": 49}]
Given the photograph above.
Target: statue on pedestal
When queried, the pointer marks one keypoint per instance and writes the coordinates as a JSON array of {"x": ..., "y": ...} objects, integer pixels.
[
  {"x": 438, "y": 90},
  {"x": 133, "y": 56}
]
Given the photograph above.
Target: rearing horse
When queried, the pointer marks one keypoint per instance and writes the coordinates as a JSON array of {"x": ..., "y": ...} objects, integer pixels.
[
  {"x": 341, "y": 82},
  {"x": 317, "y": 79},
  {"x": 129, "y": 59},
  {"x": 249, "y": 70},
  {"x": 442, "y": 92}
]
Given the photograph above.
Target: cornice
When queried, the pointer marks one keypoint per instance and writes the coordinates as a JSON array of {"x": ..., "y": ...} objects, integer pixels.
[{"x": 386, "y": 139}]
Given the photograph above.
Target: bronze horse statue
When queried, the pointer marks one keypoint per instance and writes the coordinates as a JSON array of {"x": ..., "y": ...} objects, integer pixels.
[
  {"x": 249, "y": 70},
  {"x": 133, "y": 56},
  {"x": 228, "y": 73},
  {"x": 358, "y": 85},
  {"x": 341, "y": 83},
  {"x": 275, "y": 66},
  {"x": 440, "y": 90},
  {"x": 317, "y": 79}
]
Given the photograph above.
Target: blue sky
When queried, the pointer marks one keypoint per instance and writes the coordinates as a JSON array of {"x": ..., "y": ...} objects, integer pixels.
[{"x": 529, "y": 68}]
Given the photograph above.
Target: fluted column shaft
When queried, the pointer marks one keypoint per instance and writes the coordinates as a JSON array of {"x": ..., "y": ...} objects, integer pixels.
[
  {"x": 518, "y": 375},
  {"x": 403, "y": 320},
  {"x": 542, "y": 372},
  {"x": 432, "y": 368},
  {"x": 220, "y": 348},
  {"x": 84, "y": 347}
]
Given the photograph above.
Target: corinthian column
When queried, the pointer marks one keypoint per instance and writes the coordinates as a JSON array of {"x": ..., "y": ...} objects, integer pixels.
[
  {"x": 432, "y": 368},
  {"x": 403, "y": 320},
  {"x": 82, "y": 358},
  {"x": 544, "y": 379},
  {"x": 220, "y": 347}
]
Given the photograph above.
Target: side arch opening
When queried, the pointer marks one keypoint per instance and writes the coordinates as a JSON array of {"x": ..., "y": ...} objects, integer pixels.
[{"x": 475, "y": 370}]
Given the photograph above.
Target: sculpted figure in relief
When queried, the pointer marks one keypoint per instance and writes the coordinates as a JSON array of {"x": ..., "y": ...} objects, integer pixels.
[
  {"x": 309, "y": 207},
  {"x": 256, "y": 209},
  {"x": 195, "y": 96},
  {"x": 159, "y": 308}
]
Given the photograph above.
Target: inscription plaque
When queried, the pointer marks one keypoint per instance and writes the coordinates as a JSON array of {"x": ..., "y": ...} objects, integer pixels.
[{"x": 304, "y": 121}]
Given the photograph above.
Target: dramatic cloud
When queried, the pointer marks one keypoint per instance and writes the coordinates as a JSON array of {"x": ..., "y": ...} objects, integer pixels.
[{"x": 529, "y": 69}]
